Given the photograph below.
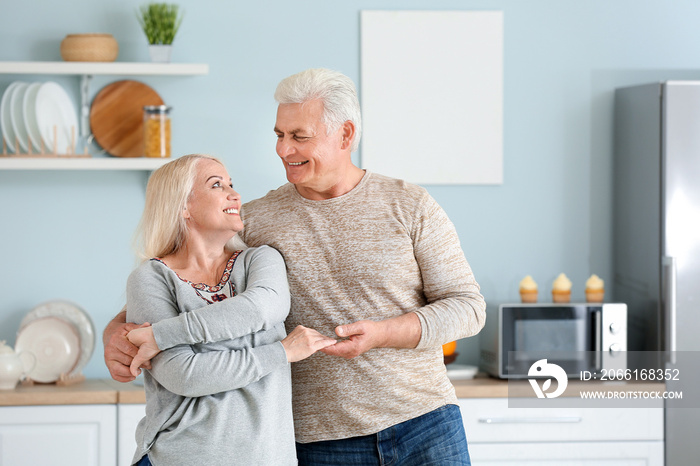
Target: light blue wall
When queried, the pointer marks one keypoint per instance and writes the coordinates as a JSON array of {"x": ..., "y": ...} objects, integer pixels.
[{"x": 67, "y": 234}]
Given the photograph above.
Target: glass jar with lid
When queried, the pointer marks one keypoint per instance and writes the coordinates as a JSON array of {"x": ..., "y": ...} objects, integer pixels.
[{"x": 156, "y": 128}]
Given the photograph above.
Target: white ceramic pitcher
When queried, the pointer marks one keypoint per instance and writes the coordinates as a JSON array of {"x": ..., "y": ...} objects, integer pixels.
[{"x": 13, "y": 366}]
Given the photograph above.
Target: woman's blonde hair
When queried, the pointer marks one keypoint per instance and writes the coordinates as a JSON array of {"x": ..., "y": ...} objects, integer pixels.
[{"x": 162, "y": 229}]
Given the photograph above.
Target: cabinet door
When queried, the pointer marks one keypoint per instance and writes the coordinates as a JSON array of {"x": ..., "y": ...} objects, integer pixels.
[
  {"x": 128, "y": 416},
  {"x": 72, "y": 435},
  {"x": 568, "y": 454}
]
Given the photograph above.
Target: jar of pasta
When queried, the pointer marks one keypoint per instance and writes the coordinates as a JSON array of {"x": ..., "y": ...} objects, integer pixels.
[{"x": 156, "y": 128}]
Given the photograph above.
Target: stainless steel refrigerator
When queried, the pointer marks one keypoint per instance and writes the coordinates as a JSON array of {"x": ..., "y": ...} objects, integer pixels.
[{"x": 657, "y": 241}]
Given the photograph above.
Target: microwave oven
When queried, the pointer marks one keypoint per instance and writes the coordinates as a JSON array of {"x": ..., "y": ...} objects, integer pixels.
[{"x": 577, "y": 337}]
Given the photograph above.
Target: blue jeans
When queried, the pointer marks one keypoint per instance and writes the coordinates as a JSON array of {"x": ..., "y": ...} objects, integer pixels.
[
  {"x": 436, "y": 438},
  {"x": 144, "y": 461}
]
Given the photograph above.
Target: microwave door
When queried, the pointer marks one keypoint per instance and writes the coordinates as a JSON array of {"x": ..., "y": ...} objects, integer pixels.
[{"x": 563, "y": 334}]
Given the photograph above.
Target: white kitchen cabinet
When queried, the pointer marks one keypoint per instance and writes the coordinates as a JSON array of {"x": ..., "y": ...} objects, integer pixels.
[
  {"x": 67, "y": 435},
  {"x": 128, "y": 417},
  {"x": 86, "y": 70},
  {"x": 502, "y": 436}
]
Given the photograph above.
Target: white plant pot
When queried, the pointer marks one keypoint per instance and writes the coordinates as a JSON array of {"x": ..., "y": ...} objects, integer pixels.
[{"x": 160, "y": 53}]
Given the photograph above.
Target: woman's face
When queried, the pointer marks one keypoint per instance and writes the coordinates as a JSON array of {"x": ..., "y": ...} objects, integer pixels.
[{"x": 213, "y": 206}]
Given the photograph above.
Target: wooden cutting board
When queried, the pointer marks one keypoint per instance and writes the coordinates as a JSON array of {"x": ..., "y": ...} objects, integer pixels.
[{"x": 116, "y": 117}]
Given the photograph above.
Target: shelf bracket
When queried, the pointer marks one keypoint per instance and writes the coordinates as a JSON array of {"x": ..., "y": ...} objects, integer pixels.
[{"x": 85, "y": 105}]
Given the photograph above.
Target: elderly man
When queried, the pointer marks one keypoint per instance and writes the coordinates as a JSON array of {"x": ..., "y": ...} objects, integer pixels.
[{"x": 374, "y": 260}]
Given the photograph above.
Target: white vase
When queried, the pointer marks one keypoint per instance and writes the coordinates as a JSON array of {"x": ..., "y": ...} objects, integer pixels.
[{"x": 160, "y": 53}]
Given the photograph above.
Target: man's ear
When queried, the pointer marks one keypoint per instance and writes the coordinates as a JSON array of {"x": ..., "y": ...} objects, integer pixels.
[{"x": 348, "y": 130}]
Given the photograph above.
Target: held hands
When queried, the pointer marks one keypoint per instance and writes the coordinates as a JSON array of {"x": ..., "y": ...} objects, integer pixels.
[
  {"x": 119, "y": 351},
  {"x": 361, "y": 336},
  {"x": 302, "y": 342},
  {"x": 143, "y": 338}
]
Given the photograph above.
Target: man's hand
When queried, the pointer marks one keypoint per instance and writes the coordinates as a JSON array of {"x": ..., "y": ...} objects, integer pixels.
[
  {"x": 361, "y": 336},
  {"x": 118, "y": 350},
  {"x": 143, "y": 338}
]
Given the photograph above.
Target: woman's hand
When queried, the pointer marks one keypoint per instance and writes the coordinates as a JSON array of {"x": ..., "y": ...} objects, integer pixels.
[
  {"x": 146, "y": 342},
  {"x": 118, "y": 351},
  {"x": 302, "y": 342}
]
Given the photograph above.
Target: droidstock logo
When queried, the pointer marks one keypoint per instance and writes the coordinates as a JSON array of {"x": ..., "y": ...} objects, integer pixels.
[{"x": 541, "y": 369}]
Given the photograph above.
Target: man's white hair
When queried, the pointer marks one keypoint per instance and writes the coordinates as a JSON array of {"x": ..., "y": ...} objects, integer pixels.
[{"x": 335, "y": 90}]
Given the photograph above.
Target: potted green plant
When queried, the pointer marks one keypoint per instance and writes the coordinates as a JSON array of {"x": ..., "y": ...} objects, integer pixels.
[{"x": 160, "y": 22}]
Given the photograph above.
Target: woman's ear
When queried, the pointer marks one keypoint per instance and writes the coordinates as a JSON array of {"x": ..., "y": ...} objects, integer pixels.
[{"x": 185, "y": 213}]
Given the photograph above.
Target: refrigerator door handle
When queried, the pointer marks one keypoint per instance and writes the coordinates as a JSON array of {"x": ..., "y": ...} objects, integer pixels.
[{"x": 669, "y": 306}]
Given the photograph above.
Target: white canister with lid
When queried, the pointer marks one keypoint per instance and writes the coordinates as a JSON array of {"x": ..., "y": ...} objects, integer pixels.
[{"x": 13, "y": 366}]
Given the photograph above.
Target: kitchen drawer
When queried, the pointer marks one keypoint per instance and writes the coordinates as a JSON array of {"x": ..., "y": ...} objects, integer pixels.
[
  {"x": 490, "y": 420},
  {"x": 569, "y": 454}
]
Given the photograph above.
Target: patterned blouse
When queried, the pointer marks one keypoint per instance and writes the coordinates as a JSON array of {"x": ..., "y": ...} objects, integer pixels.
[{"x": 211, "y": 294}]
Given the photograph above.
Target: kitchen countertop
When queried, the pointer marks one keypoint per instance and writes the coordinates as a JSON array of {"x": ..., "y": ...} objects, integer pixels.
[
  {"x": 483, "y": 386},
  {"x": 90, "y": 391},
  {"x": 108, "y": 391}
]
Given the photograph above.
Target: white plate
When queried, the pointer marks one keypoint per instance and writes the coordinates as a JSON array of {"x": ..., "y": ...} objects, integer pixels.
[
  {"x": 29, "y": 106},
  {"x": 73, "y": 314},
  {"x": 461, "y": 372},
  {"x": 5, "y": 114},
  {"x": 54, "y": 109},
  {"x": 17, "y": 114},
  {"x": 56, "y": 345}
]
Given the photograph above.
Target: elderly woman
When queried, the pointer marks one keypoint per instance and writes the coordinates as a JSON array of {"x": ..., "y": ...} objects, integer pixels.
[{"x": 218, "y": 390}]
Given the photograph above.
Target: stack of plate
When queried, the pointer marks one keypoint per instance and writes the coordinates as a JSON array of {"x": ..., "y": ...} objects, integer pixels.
[
  {"x": 31, "y": 113},
  {"x": 62, "y": 338},
  {"x": 461, "y": 372}
]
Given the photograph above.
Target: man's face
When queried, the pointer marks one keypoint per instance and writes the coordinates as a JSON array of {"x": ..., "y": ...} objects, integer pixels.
[{"x": 312, "y": 159}]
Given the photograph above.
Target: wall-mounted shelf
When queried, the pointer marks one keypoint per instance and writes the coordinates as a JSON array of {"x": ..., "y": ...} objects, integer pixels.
[
  {"x": 80, "y": 163},
  {"x": 100, "y": 68},
  {"x": 86, "y": 70}
]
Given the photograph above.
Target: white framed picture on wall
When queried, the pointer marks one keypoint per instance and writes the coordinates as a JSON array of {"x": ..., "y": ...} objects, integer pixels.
[{"x": 432, "y": 95}]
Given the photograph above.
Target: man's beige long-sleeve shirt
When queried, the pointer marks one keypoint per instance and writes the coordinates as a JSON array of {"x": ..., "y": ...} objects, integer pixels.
[{"x": 383, "y": 249}]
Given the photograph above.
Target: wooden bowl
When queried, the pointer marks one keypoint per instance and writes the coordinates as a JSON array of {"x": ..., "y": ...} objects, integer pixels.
[{"x": 89, "y": 47}]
